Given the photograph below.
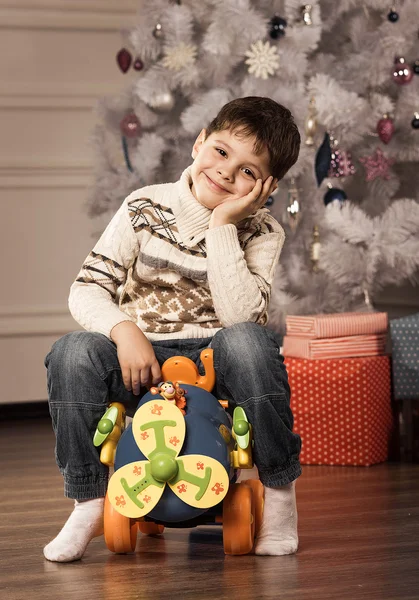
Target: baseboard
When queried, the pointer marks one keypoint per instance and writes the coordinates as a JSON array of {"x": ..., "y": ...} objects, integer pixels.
[{"x": 24, "y": 410}]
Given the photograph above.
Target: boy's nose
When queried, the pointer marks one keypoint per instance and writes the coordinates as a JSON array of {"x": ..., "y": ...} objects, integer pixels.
[{"x": 225, "y": 174}]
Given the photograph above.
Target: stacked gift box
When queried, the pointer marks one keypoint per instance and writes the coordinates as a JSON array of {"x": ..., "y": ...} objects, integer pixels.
[
  {"x": 341, "y": 390},
  {"x": 405, "y": 360}
]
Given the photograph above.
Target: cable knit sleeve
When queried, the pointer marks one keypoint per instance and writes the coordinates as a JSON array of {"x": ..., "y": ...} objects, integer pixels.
[
  {"x": 241, "y": 268},
  {"x": 92, "y": 299}
]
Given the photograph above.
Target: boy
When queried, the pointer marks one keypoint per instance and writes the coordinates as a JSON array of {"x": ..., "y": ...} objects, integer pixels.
[{"x": 195, "y": 260}]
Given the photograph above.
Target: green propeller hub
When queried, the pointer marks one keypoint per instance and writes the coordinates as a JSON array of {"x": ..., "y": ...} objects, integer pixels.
[
  {"x": 105, "y": 426},
  {"x": 241, "y": 427},
  {"x": 164, "y": 467}
]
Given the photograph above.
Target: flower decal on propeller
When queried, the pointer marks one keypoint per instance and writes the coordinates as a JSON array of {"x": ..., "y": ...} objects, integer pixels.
[{"x": 159, "y": 429}]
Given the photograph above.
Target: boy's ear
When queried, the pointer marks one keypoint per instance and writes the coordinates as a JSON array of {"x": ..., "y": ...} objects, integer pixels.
[{"x": 198, "y": 143}]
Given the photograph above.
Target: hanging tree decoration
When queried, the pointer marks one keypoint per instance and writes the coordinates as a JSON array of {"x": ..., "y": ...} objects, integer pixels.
[
  {"x": 306, "y": 13},
  {"x": 393, "y": 16},
  {"x": 158, "y": 31},
  {"x": 333, "y": 195},
  {"x": 310, "y": 124},
  {"x": 402, "y": 72},
  {"x": 124, "y": 59},
  {"x": 377, "y": 165},
  {"x": 277, "y": 26},
  {"x": 415, "y": 121},
  {"x": 341, "y": 163},
  {"x": 138, "y": 64},
  {"x": 385, "y": 128},
  {"x": 293, "y": 208},
  {"x": 130, "y": 128},
  {"x": 180, "y": 57},
  {"x": 263, "y": 59},
  {"x": 323, "y": 159},
  {"x": 315, "y": 249}
]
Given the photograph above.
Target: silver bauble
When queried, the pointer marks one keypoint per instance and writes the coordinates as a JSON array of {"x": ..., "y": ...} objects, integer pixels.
[{"x": 162, "y": 102}]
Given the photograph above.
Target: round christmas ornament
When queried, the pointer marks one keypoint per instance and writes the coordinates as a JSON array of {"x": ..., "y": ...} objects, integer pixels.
[
  {"x": 158, "y": 31},
  {"x": 306, "y": 12},
  {"x": 138, "y": 64},
  {"x": 385, "y": 129},
  {"x": 393, "y": 16},
  {"x": 130, "y": 126},
  {"x": 334, "y": 194},
  {"x": 277, "y": 26},
  {"x": 415, "y": 121},
  {"x": 416, "y": 67},
  {"x": 402, "y": 73},
  {"x": 163, "y": 102},
  {"x": 124, "y": 59}
]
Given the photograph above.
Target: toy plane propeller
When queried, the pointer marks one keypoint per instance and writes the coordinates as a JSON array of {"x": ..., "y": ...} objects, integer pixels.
[{"x": 159, "y": 430}]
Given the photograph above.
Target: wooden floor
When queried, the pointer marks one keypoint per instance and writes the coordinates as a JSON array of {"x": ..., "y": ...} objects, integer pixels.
[{"x": 359, "y": 538}]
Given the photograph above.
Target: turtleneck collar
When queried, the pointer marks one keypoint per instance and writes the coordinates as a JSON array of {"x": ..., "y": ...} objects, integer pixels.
[{"x": 192, "y": 218}]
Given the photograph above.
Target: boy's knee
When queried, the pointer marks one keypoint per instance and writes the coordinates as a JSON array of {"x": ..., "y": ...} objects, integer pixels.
[
  {"x": 248, "y": 345},
  {"x": 73, "y": 349}
]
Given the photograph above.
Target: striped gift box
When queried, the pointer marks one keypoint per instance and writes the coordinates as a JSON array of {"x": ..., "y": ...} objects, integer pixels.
[
  {"x": 338, "y": 347},
  {"x": 336, "y": 324}
]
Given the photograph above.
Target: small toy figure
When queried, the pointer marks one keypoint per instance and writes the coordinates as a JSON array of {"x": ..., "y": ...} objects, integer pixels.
[{"x": 172, "y": 392}]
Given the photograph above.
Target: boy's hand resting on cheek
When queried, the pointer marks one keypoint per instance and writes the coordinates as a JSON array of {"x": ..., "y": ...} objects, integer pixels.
[
  {"x": 237, "y": 208},
  {"x": 136, "y": 357}
]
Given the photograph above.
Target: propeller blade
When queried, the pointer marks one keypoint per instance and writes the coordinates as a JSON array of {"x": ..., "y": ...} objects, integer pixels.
[
  {"x": 201, "y": 481},
  {"x": 105, "y": 425},
  {"x": 241, "y": 428},
  {"x": 159, "y": 427},
  {"x": 133, "y": 491}
]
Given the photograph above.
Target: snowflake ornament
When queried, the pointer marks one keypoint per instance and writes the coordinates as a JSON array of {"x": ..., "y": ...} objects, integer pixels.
[
  {"x": 377, "y": 165},
  {"x": 263, "y": 59},
  {"x": 180, "y": 57}
]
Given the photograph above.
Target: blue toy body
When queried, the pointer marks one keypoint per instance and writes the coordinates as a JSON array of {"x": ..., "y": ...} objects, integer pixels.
[{"x": 208, "y": 432}]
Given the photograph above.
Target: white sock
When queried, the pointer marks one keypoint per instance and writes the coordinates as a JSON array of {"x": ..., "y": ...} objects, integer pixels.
[
  {"x": 84, "y": 523},
  {"x": 278, "y": 533}
]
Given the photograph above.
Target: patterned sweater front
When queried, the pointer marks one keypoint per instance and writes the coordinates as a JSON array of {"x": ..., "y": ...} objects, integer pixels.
[{"x": 157, "y": 264}]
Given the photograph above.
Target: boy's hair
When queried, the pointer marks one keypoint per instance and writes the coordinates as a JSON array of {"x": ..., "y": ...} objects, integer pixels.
[{"x": 270, "y": 123}]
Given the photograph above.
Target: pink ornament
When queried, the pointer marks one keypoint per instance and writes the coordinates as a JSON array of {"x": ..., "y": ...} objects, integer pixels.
[
  {"x": 377, "y": 165},
  {"x": 124, "y": 58},
  {"x": 138, "y": 64},
  {"x": 385, "y": 129},
  {"x": 341, "y": 164},
  {"x": 130, "y": 126},
  {"x": 402, "y": 72}
]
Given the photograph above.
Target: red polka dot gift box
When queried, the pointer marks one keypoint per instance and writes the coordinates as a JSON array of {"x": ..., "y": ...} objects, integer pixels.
[{"x": 341, "y": 409}]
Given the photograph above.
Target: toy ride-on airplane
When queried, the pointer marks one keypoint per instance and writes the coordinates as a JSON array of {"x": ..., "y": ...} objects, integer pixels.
[{"x": 176, "y": 464}]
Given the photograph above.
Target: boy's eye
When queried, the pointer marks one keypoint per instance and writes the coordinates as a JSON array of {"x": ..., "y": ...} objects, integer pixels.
[
  {"x": 221, "y": 151},
  {"x": 248, "y": 172}
]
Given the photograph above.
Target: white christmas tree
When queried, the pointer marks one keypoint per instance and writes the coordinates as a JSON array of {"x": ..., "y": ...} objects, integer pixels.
[{"x": 346, "y": 70}]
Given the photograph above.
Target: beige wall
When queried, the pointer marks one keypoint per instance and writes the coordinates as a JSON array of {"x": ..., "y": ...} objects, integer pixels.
[{"x": 56, "y": 58}]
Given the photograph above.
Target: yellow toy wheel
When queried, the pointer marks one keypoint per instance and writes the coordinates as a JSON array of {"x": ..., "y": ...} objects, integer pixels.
[
  {"x": 120, "y": 531},
  {"x": 238, "y": 521},
  {"x": 258, "y": 501},
  {"x": 150, "y": 528}
]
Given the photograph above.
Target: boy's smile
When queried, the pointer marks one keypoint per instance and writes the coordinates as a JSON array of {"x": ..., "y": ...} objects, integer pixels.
[{"x": 226, "y": 164}]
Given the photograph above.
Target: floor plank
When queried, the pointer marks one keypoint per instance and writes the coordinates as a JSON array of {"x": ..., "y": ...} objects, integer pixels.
[{"x": 359, "y": 539}]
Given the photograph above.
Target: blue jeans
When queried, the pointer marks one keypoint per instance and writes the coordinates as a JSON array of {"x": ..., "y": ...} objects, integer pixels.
[{"x": 84, "y": 376}]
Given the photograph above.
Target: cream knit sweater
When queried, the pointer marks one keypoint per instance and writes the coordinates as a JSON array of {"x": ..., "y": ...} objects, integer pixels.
[{"x": 157, "y": 264}]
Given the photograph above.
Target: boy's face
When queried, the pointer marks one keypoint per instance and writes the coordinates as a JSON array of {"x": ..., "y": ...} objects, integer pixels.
[{"x": 225, "y": 164}]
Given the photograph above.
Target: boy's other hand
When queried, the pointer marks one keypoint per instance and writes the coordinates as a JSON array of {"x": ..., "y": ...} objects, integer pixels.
[
  {"x": 136, "y": 357},
  {"x": 237, "y": 208}
]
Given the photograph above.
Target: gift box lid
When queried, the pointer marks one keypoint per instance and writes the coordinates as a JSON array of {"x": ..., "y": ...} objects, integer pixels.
[{"x": 336, "y": 324}]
